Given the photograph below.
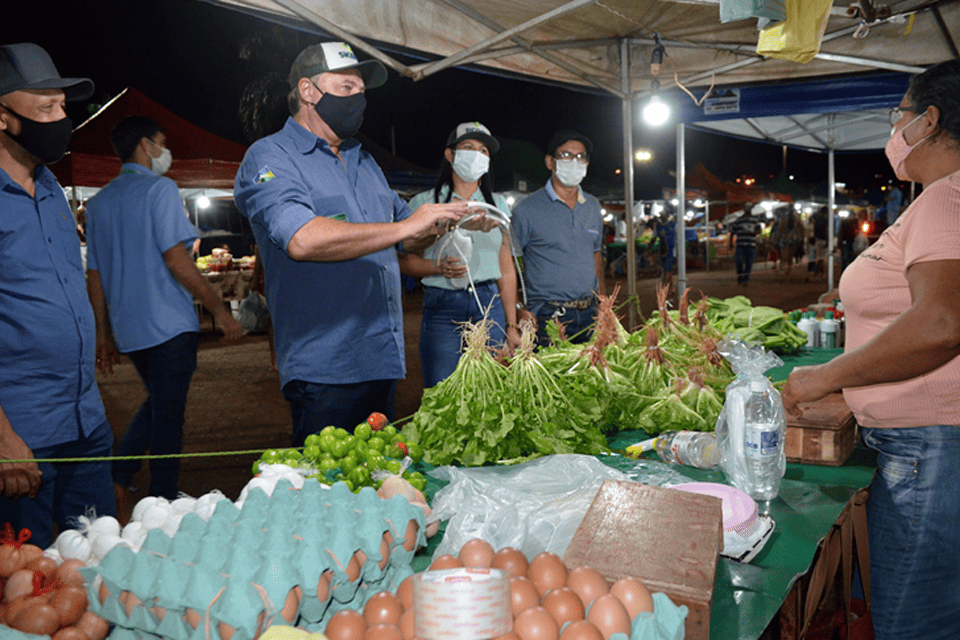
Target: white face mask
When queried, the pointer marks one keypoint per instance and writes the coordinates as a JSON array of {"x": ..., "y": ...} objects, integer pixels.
[
  {"x": 470, "y": 165},
  {"x": 161, "y": 164},
  {"x": 570, "y": 172}
]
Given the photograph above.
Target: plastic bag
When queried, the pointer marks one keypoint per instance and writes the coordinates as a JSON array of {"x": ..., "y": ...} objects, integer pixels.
[
  {"x": 253, "y": 314},
  {"x": 798, "y": 37},
  {"x": 534, "y": 507},
  {"x": 751, "y": 429}
]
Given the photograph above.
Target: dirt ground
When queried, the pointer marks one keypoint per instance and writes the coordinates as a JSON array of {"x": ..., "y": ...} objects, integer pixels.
[{"x": 235, "y": 402}]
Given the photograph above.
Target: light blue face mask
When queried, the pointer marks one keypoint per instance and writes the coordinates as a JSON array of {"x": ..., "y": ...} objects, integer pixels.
[
  {"x": 470, "y": 165},
  {"x": 570, "y": 172}
]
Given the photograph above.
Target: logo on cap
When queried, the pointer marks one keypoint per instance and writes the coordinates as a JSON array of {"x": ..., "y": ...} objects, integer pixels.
[{"x": 338, "y": 55}]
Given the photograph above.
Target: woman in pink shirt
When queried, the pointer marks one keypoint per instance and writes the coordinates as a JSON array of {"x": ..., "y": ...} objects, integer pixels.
[{"x": 900, "y": 372}]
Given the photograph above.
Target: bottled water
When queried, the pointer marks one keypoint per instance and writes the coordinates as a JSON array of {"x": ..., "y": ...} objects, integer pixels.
[
  {"x": 762, "y": 446},
  {"x": 691, "y": 448}
]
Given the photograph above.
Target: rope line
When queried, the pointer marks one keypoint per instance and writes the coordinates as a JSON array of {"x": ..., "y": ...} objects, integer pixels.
[{"x": 201, "y": 454}]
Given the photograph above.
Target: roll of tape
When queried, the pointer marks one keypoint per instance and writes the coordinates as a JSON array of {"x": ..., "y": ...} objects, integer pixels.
[{"x": 468, "y": 604}]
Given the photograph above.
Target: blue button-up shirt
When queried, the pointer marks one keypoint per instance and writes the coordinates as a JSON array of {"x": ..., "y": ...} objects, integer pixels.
[
  {"x": 47, "y": 332},
  {"x": 558, "y": 245},
  {"x": 335, "y": 322},
  {"x": 130, "y": 224}
]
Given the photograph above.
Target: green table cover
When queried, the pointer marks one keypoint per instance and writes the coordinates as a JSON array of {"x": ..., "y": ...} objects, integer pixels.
[{"x": 748, "y": 596}]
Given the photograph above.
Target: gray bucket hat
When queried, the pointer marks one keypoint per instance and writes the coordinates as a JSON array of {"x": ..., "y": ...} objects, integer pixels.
[
  {"x": 28, "y": 66},
  {"x": 335, "y": 56}
]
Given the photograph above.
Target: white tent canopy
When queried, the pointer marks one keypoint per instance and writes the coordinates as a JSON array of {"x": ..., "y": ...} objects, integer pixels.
[{"x": 607, "y": 45}]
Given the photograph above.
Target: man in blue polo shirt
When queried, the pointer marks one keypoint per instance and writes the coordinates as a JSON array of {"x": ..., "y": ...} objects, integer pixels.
[
  {"x": 142, "y": 282},
  {"x": 50, "y": 406},
  {"x": 327, "y": 226},
  {"x": 559, "y": 229}
]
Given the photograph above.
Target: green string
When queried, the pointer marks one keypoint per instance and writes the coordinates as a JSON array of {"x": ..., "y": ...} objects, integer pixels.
[{"x": 206, "y": 454}]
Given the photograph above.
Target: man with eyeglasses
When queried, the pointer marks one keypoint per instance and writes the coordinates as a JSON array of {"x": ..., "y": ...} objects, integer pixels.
[{"x": 559, "y": 230}]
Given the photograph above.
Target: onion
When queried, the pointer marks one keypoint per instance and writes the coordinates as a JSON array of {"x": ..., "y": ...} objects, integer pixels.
[
  {"x": 38, "y": 617},
  {"x": 69, "y": 633},
  {"x": 69, "y": 574},
  {"x": 46, "y": 566},
  {"x": 19, "y": 584}
]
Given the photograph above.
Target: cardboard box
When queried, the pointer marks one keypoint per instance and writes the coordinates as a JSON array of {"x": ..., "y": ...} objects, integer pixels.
[
  {"x": 669, "y": 539},
  {"x": 825, "y": 434}
]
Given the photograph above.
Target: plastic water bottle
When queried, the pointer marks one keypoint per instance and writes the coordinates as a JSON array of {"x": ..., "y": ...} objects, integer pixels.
[
  {"x": 459, "y": 246},
  {"x": 691, "y": 448},
  {"x": 762, "y": 446},
  {"x": 809, "y": 326},
  {"x": 828, "y": 331}
]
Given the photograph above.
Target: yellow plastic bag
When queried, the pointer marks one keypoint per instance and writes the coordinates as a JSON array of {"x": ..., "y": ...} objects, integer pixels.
[{"x": 798, "y": 37}]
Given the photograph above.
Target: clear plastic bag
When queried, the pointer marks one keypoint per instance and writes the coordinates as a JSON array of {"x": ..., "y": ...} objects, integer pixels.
[
  {"x": 536, "y": 506},
  {"x": 253, "y": 315},
  {"x": 751, "y": 429}
]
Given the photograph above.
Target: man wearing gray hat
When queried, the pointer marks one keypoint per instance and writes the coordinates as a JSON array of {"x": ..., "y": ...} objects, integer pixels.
[
  {"x": 50, "y": 405},
  {"x": 327, "y": 226}
]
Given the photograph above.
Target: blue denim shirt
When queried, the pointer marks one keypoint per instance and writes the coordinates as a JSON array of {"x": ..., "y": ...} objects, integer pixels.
[
  {"x": 47, "y": 332},
  {"x": 334, "y": 322},
  {"x": 130, "y": 224},
  {"x": 558, "y": 245}
]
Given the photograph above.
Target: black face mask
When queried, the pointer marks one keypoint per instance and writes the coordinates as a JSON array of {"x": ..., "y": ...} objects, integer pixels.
[
  {"x": 45, "y": 140},
  {"x": 343, "y": 114}
]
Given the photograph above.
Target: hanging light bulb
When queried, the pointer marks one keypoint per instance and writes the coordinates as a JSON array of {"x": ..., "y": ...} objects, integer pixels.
[{"x": 656, "y": 111}]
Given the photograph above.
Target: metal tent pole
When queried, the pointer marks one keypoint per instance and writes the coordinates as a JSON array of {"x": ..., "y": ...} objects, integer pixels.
[
  {"x": 681, "y": 240},
  {"x": 831, "y": 203},
  {"x": 631, "y": 265}
]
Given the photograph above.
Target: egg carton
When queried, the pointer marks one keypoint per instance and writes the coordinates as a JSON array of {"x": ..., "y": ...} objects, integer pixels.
[{"x": 304, "y": 553}]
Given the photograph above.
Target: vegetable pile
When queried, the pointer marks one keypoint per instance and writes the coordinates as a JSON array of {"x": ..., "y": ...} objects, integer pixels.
[
  {"x": 567, "y": 397},
  {"x": 765, "y": 326}
]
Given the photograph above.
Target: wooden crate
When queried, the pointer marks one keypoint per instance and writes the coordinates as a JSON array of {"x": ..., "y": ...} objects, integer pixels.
[{"x": 825, "y": 434}]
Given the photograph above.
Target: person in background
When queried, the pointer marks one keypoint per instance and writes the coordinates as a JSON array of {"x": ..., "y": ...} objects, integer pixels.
[
  {"x": 448, "y": 298},
  {"x": 50, "y": 406},
  {"x": 142, "y": 281},
  {"x": 327, "y": 227},
  {"x": 744, "y": 231},
  {"x": 891, "y": 204},
  {"x": 559, "y": 230},
  {"x": 900, "y": 371},
  {"x": 665, "y": 237}
]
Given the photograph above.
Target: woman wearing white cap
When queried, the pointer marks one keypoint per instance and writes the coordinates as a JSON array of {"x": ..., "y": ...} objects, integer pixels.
[{"x": 449, "y": 297}]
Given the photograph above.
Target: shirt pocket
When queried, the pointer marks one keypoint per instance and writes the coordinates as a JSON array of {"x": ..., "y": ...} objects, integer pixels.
[
  {"x": 68, "y": 241},
  {"x": 334, "y": 206}
]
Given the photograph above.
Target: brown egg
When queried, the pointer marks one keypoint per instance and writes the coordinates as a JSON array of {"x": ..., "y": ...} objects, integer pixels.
[
  {"x": 546, "y": 572},
  {"x": 476, "y": 553},
  {"x": 510, "y": 560},
  {"x": 536, "y": 623},
  {"x": 509, "y": 635},
  {"x": 382, "y": 608},
  {"x": 405, "y": 592},
  {"x": 587, "y": 583},
  {"x": 410, "y": 535},
  {"x": 564, "y": 605},
  {"x": 353, "y": 568},
  {"x": 292, "y": 604},
  {"x": 345, "y": 625},
  {"x": 192, "y": 617},
  {"x": 323, "y": 586},
  {"x": 103, "y": 593},
  {"x": 523, "y": 594},
  {"x": 581, "y": 630},
  {"x": 226, "y": 631},
  {"x": 446, "y": 561},
  {"x": 408, "y": 626},
  {"x": 383, "y": 632},
  {"x": 633, "y": 594},
  {"x": 69, "y": 574},
  {"x": 129, "y": 601},
  {"x": 384, "y": 552},
  {"x": 609, "y": 616}
]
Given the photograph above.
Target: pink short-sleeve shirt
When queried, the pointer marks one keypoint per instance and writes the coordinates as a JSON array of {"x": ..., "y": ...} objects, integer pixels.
[{"x": 874, "y": 291}]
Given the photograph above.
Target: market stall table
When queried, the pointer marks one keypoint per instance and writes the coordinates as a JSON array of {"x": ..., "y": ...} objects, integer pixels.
[{"x": 747, "y": 597}]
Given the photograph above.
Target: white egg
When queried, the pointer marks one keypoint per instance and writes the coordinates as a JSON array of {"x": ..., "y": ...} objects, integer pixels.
[
  {"x": 104, "y": 543},
  {"x": 155, "y": 516},
  {"x": 207, "y": 504},
  {"x": 54, "y": 555},
  {"x": 132, "y": 531},
  {"x": 184, "y": 505},
  {"x": 105, "y": 524},
  {"x": 73, "y": 545},
  {"x": 142, "y": 506},
  {"x": 172, "y": 523}
]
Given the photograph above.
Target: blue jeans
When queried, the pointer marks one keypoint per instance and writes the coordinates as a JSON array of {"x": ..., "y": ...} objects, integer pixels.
[
  {"x": 574, "y": 322},
  {"x": 440, "y": 328},
  {"x": 914, "y": 525},
  {"x": 166, "y": 370},
  {"x": 745, "y": 256},
  {"x": 67, "y": 489},
  {"x": 314, "y": 406}
]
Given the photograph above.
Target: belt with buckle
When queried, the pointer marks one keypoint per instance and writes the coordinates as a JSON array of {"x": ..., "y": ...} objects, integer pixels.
[{"x": 580, "y": 305}]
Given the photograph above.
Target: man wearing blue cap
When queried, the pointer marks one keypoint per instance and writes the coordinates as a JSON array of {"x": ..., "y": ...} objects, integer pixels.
[
  {"x": 327, "y": 226},
  {"x": 50, "y": 405}
]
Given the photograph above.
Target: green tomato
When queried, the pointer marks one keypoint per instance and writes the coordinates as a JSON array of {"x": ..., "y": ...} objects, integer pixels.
[
  {"x": 292, "y": 457},
  {"x": 327, "y": 465},
  {"x": 340, "y": 433},
  {"x": 416, "y": 479},
  {"x": 256, "y": 467},
  {"x": 272, "y": 456},
  {"x": 312, "y": 452},
  {"x": 328, "y": 430},
  {"x": 351, "y": 441},
  {"x": 348, "y": 483},
  {"x": 376, "y": 461},
  {"x": 340, "y": 448},
  {"x": 312, "y": 439},
  {"x": 395, "y": 451},
  {"x": 363, "y": 431},
  {"x": 399, "y": 437},
  {"x": 360, "y": 477},
  {"x": 394, "y": 467},
  {"x": 348, "y": 464},
  {"x": 415, "y": 452},
  {"x": 327, "y": 442},
  {"x": 389, "y": 430},
  {"x": 376, "y": 444}
]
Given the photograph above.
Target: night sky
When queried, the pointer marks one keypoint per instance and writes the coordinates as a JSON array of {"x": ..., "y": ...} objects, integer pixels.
[{"x": 197, "y": 59}]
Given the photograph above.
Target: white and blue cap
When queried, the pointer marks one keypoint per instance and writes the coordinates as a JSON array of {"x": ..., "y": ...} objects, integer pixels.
[
  {"x": 473, "y": 131},
  {"x": 28, "y": 66},
  {"x": 335, "y": 56}
]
